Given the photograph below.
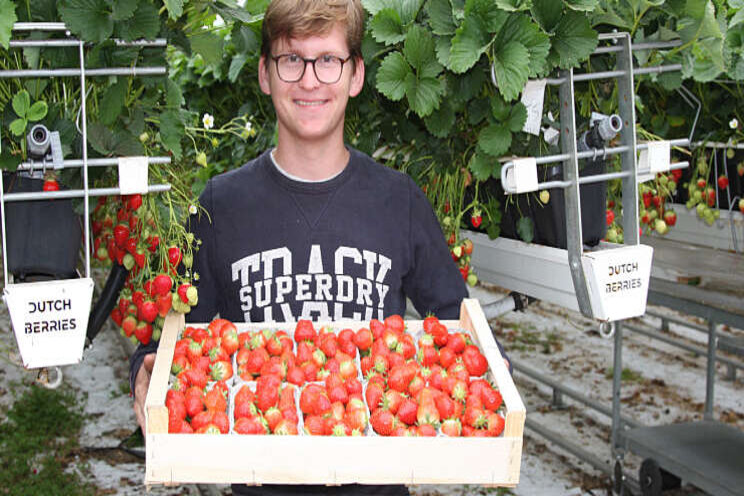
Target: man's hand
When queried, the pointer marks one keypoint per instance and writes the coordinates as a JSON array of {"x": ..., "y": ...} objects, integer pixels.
[{"x": 141, "y": 385}]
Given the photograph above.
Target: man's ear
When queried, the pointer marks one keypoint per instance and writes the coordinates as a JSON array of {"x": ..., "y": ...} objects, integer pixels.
[
  {"x": 263, "y": 75},
  {"x": 357, "y": 79}
]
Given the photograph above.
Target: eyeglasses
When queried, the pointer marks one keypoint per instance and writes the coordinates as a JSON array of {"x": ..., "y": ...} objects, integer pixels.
[{"x": 291, "y": 67}]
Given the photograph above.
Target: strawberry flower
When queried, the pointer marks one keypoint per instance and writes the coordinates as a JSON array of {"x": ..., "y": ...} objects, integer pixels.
[
  {"x": 733, "y": 123},
  {"x": 208, "y": 121}
]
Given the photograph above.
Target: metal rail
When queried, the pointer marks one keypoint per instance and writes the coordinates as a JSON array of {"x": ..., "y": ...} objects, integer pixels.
[
  {"x": 109, "y": 71},
  {"x": 76, "y": 193},
  {"x": 93, "y": 162}
]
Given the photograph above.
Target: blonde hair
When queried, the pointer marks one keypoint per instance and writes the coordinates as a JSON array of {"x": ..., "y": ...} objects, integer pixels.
[{"x": 286, "y": 19}]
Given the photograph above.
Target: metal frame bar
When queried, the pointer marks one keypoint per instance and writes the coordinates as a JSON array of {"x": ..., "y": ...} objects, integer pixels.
[
  {"x": 93, "y": 162},
  {"x": 76, "y": 193},
  {"x": 108, "y": 71}
]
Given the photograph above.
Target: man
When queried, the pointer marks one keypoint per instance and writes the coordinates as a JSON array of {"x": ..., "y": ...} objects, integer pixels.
[{"x": 315, "y": 229}]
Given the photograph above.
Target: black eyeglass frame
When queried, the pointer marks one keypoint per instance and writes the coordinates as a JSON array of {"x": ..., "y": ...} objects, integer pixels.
[{"x": 276, "y": 58}]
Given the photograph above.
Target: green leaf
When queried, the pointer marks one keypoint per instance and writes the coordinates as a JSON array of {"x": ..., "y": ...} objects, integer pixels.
[
  {"x": 236, "y": 65},
  {"x": 574, "y": 40},
  {"x": 123, "y": 9},
  {"x": 18, "y": 127},
  {"x": 173, "y": 94},
  {"x": 245, "y": 39},
  {"x": 409, "y": 10},
  {"x": 495, "y": 140},
  {"x": 517, "y": 117},
  {"x": 419, "y": 51},
  {"x": 511, "y": 66},
  {"x": 374, "y": 6},
  {"x": 440, "y": 122},
  {"x": 547, "y": 13},
  {"x": 492, "y": 16},
  {"x": 440, "y": 17},
  {"x": 581, "y": 5},
  {"x": 236, "y": 14},
  {"x": 145, "y": 23},
  {"x": 526, "y": 229},
  {"x": 256, "y": 6},
  {"x": 21, "y": 103},
  {"x": 514, "y": 5},
  {"x": 499, "y": 108},
  {"x": 91, "y": 19},
  {"x": 520, "y": 28},
  {"x": 423, "y": 94},
  {"x": 174, "y": 7},
  {"x": 36, "y": 87},
  {"x": 442, "y": 46},
  {"x": 171, "y": 132},
  {"x": 112, "y": 101},
  {"x": 387, "y": 27},
  {"x": 209, "y": 46},
  {"x": 125, "y": 144},
  {"x": 391, "y": 77},
  {"x": 37, "y": 111},
  {"x": 468, "y": 85},
  {"x": 737, "y": 19},
  {"x": 469, "y": 43},
  {"x": 100, "y": 138},
  {"x": 482, "y": 166},
  {"x": 7, "y": 19}
]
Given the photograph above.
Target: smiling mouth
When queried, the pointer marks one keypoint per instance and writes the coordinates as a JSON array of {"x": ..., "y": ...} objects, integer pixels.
[{"x": 313, "y": 103}]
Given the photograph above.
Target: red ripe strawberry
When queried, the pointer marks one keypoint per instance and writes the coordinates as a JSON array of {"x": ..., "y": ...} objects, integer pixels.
[
  {"x": 456, "y": 342},
  {"x": 447, "y": 357},
  {"x": 274, "y": 346},
  {"x": 196, "y": 377},
  {"x": 310, "y": 370},
  {"x": 128, "y": 324},
  {"x": 348, "y": 348},
  {"x": 427, "y": 410},
  {"x": 451, "y": 427},
  {"x": 396, "y": 323},
  {"x": 494, "y": 424},
  {"x": 428, "y": 356},
  {"x": 475, "y": 417},
  {"x": 174, "y": 256},
  {"x": 373, "y": 395},
  {"x": 285, "y": 428},
  {"x": 266, "y": 398},
  {"x": 491, "y": 398},
  {"x": 245, "y": 395},
  {"x": 353, "y": 386},
  {"x": 391, "y": 400},
  {"x": 428, "y": 322},
  {"x": 304, "y": 331},
  {"x": 445, "y": 406},
  {"x": 346, "y": 335},
  {"x": 50, "y": 185},
  {"x": 476, "y": 218},
  {"x": 180, "y": 363},
  {"x": 256, "y": 359},
  {"x": 416, "y": 385},
  {"x": 194, "y": 405},
  {"x": 610, "y": 216},
  {"x": 426, "y": 430},
  {"x": 383, "y": 422},
  {"x": 475, "y": 362},
  {"x": 670, "y": 217},
  {"x": 723, "y": 182},
  {"x": 163, "y": 304},
  {"x": 230, "y": 341},
  {"x": 194, "y": 350},
  {"x": 121, "y": 234},
  {"x": 148, "y": 311},
  {"x": 314, "y": 425},
  {"x": 249, "y": 425},
  {"x": 376, "y": 327},
  {"x": 143, "y": 332},
  {"x": 296, "y": 376},
  {"x": 407, "y": 347},
  {"x": 273, "y": 416},
  {"x": 338, "y": 393},
  {"x": 329, "y": 344},
  {"x": 215, "y": 400},
  {"x": 356, "y": 419},
  {"x": 407, "y": 411},
  {"x": 162, "y": 284}
]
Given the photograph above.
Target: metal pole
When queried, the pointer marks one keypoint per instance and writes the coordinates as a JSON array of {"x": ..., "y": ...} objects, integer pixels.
[
  {"x": 2, "y": 212},
  {"x": 617, "y": 370},
  {"x": 93, "y": 162},
  {"x": 710, "y": 374},
  {"x": 77, "y": 193},
  {"x": 86, "y": 195},
  {"x": 574, "y": 238},
  {"x": 626, "y": 110},
  {"x": 70, "y": 42},
  {"x": 110, "y": 71}
]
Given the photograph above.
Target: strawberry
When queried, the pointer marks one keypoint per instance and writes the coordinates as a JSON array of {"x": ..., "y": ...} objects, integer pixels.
[
  {"x": 476, "y": 218},
  {"x": 740, "y": 169},
  {"x": 383, "y": 422},
  {"x": 356, "y": 419},
  {"x": 174, "y": 256},
  {"x": 723, "y": 182},
  {"x": 230, "y": 341},
  {"x": 148, "y": 311},
  {"x": 407, "y": 411},
  {"x": 451, "y": 427},
  {"x": 363, "y": 339},
  {"x": 395, "y": 323},
  {"x": 143, "y": 332},
  {"x": 427, "y": 356},
  {"x": 194, "y": 405},
  {"x": 314, "y": 425},
  {"x": 475, "y": 362},
  {"x": 427, "y": 411},
  {"x": 215, "y": 400},
  {"x": 50, "y": 185},
  {"x": 128, "y": 324},
  {"x": 494, "y": 424},
  {"x": 162, "y": 284},
  {"x": 285, "y": 428},
  {"x": 163, "y": 304},
  {"x": 221, "y": 370},
  {"x": 273, "y": 416},
  {"x": 249, "y": 425},
  {"x": 670, "y": 217},
  {"x": 610, "y": 216},
  {"x": 426, "y": 430},
  {"x": 121, "y": 234},
  {"x": 304, "y": 331},
  {"x": 373, "y": 395},
  {"x": 741, "y": 205},
  {"x": 491, "y": 398}
]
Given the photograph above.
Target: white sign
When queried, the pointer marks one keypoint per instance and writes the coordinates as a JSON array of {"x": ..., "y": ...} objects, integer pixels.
[
  {"x": 655, "y": 158},
  {"x": 533, "y": 97},
  {"x": 133, "y": 175},
  {"x": 617, "y": 279},
  {"x": 50, "y": 320},
  {"x": 522, "y": 177}
]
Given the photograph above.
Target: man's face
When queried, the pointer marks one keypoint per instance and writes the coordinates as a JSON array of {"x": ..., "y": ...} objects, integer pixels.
[{"x": 308, "y": 110}]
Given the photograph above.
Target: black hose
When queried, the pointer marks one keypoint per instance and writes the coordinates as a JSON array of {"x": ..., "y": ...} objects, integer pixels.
[{"x": 116, "y": 279}]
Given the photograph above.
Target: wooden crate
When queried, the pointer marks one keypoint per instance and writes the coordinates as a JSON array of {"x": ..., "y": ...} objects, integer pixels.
[{"x": 190, "y": 458}]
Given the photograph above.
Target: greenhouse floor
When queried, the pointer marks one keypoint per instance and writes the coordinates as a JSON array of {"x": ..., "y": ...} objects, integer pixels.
[{"x": 661, "y": 385}]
